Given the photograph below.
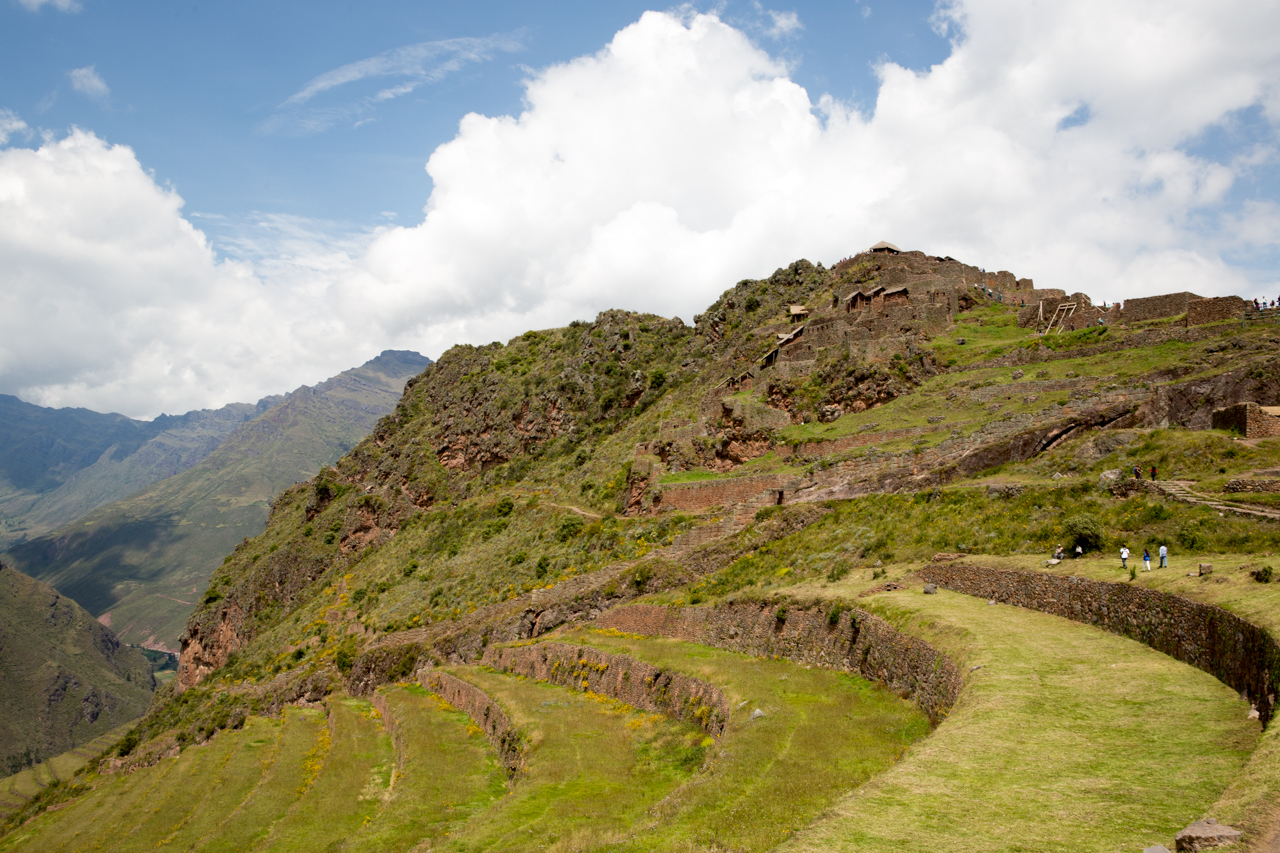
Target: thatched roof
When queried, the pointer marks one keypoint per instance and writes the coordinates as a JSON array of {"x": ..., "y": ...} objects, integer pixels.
[{"x": 884, "y": 246}]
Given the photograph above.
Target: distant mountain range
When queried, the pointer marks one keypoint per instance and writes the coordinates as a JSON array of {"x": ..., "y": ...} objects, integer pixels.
[
  {"x": 66, "y": 678},
  {"x": 130, "y": 518},
  {"x": 58, "y": 464}
]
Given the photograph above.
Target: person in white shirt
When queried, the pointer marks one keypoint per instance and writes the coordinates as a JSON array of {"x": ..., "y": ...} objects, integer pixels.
[
  {"x": 1164, "y": 557},
  {"x": 1124, "y": 557}
]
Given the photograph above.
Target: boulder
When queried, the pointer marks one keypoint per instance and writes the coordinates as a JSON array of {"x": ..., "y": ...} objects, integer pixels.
[
  {"x": 931, "y": 589},
  {"x": 1112, "y": 476},
  {"x": 757, "y": 714},
  {"x": 1159, "y": 848},
  {"x": 1204, "y": 834},
  {"x": 1206, "y": 568}
]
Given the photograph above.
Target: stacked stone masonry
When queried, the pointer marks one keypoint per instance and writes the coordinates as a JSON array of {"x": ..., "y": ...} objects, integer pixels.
[
  {"x": 695, "y": 497},
  {"x": 626, "y": 679},
  {"x": 1156, "y": 307},
  {"x": 1248, "y": 419},
  {"x": 855, "y": 641},
  {"x": 1214, "y": 310},
  {"x": 1238, "y": 653},
  {"x": 484, "y": 712},
  {"x": 1255, "y": 486}
]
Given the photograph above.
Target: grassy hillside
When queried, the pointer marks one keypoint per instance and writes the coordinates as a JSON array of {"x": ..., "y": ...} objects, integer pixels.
[
  {"x": 66, "y": 679},
  {"x": 519, "y": 494},
  {"x": 141, "y": 563}
]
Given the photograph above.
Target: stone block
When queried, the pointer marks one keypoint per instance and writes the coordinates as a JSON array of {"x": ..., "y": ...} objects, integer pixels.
[{"x": 1205, "y": 834}]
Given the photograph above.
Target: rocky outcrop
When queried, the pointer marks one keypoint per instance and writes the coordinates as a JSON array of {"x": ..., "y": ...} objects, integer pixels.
[
  {"x": 620, "y": 677},
  {"x": 829, "y": 636},
  {"x": 1238, "y": 653},
  {"x": 1191, "y": 404}
]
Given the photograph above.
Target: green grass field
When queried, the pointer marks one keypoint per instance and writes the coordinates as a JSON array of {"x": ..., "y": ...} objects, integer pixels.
[
  {"x": 1066, "y": 739},
  {"x": 823, "y": 734}
]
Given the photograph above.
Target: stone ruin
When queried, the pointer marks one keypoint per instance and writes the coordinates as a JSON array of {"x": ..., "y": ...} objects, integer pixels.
[
  {"x": 881, "y": 298},
  {"x": 1249, "y": 419}
]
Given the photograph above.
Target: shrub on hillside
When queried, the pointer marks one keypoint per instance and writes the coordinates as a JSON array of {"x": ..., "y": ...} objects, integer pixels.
[{"x": 1085, "y": 531}]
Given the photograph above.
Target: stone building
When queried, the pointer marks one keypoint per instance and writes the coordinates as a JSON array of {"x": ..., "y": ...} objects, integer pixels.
[{"x": 1249, "y": 419}]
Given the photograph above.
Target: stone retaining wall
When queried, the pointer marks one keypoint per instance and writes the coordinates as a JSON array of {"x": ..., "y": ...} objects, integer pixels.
[
  {"x": 626, "y": 679},
  {"x": 1238, "y": 653},
  {"x": 855, "y": 641},
  {"x": 694, "y": 497},
  {"x": 1252, "y": 486},
  {"x": 484, "y": 712},
  {"x": 1214, "y": 309}
]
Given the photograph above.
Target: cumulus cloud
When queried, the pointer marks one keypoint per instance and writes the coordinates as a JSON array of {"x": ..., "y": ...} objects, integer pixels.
[
  {"x": 1057, "y": 141},
  {"x": 114, "y": 301},
  {"x": 421, "y": 63},
  {"x": 682, "y": 157},
  {"x": 87, "y": 81}
]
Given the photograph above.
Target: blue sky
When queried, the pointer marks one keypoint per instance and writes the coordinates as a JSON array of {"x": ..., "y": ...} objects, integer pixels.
[
  {"x": 194, "y": 86},
  {"x": 204, "y": 203}
]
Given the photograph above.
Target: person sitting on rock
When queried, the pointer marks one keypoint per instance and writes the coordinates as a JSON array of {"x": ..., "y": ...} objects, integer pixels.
[
  {"x": 1059, "y": 554},
  {"x": 1078, "y": 553}
]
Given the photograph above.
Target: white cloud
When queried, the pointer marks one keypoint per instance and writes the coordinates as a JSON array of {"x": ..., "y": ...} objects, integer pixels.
[
  {"x": 784, "y": 24},
  {"x": 60, "y": 5},
  {"x": 112, "y": 300},
  {"x": 87, "y": 81},
  {"x": 681, "y": 158},
  {"x": 651, "y": 176},
  {"x": 422, "y": 63},
  {"x": 10, "y": 123}
]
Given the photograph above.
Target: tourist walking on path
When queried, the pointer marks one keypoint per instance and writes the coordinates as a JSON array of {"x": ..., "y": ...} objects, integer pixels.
[
  {"x": 1124, "y": 557},
  {"x": 1146, "y": 560},
  {"x": 1137, "y": 473},
  {"x": 1164, "y": 556},
  {"x": 1153, "y": 473}
]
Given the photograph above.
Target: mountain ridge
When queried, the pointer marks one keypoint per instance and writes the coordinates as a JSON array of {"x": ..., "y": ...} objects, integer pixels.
[{"x": 140, "y": 562}]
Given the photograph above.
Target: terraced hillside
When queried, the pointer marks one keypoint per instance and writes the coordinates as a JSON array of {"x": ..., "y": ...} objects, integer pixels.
[{"x": 775, "y": 581}]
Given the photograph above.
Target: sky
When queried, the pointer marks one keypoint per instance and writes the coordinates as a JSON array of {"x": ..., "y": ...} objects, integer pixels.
[{"x": 206, "y": 203}]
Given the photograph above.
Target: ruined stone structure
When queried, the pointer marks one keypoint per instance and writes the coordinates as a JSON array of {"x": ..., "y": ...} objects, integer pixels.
[
  {"x": 1249, "y": 419},
  {"x": 1156, "y": 307},
  {"x": 1214, "y": 309},
  {"x": 1062, "y": 313},
  {"x": 830, "y": 637},
  {"x": 882, "y": 295},
  {"x": 1237, "y": 653}
]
